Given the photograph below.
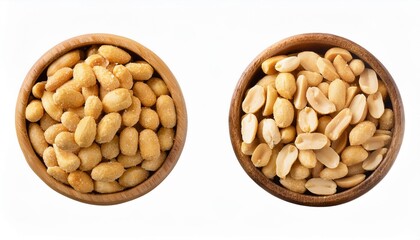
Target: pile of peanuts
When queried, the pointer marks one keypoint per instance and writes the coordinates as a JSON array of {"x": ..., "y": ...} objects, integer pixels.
[
  {"x": 100, "y": 120},
  {"x": 317, "y": 124}
]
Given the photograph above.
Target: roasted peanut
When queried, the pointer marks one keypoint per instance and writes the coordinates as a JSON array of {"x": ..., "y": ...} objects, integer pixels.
[
  {"x": 358, "y": 108},
  {"x": 300, "y": 94},
  {"x": 124, "y": 76},
  {"x": 93, "y": 107},
  {"x": 281, "y": 112},
  {"x": 332, "y": 53},
  {"x": 308, "y": 60},
  {"x": 308, "y": 141},
  {"x": 269, "y": 170},
  {"x": 130, "y": 161},
  {"x": 149, "y": 144},
  {"x": 249, "y": 127},
  {"x": 89, "y": 157},
  {"x": 293, "y": 184},
  {"x": 107, "y": 171},
  {"x": 268, "y": 80},
  {"x": 299, "y": 172},
  {"x": 361, "y": 133},
  {"x": 286, "y": 85},
  {"x": 107, "y": 187},
  {"x": 319, "y": 101},
  {"x": 313, "y": 78},
  {"x": 133, "y": 176},
  {"x": 285, "y": 159},
  {"x": 337, "y": 93},
  {"x": 50, "y": 160},
  {"x": 158, "y": 86},
  {"x": 68, "y": 98},
  {"x": 154, "y": 164},
  {"x": 321, "y": 186},
  {"x": 338, "y": 124},
  {"x": 288, "y": 134},
  {"x": 131, "y": 114},
  {"x": 38, "y": 89},
  {"x": 58, "y": 174},
  {"x": 343, "y": 69},
  {"x": 307, "y": 120},
  {"x": 96, "y": 60},
  {"x": 129, "y": 141},
  {"x": 270, "y": 133},
  {"x": 34, "y": 111},
  {"x": 85, "y": 132},
  {"x": 53, "y": 131},
  {"x": 352, "y": 155},
  {"x": 327, "y": 156},
  {"x": 368, "y": 81},
  {"x": 323, "y": 123},
  {"x": 374, "y": 159},
  {"x": 261, "y": 155},
  {"x": 307, "y": 158},
  {"x": 67, "y": 60},
  {"x": 386, "y": 121},
  {"x": 166, "y": 138},
  {"x": 270, "y": 100},
  {"x": 114, "y": 54},
  {"x": 65, "y": 140},
  {"x": 58, "y": 78},
  {"x": 70, "y": 120},
  {"x": 50, "y": 107},
  {"x": 334, "y": 173},
  {"x": 140, "y": 70},
  {"x": 117, "y": 100},
  {"x": 36, "y": 136},
  {"x": 67, "y": 161},
  {"x": 80, "y": 181},
  {"x": 349, "y": 182},
  {"x": 357, "y": 66},
  {"x": 107, "y": 80},
  {"x": 149, "y": 118},
  {"x": 375, "y": 105},
  {"x": 111, "y": 149},
  {"x": 268, "y": 66},
  {"x": 327, "y": 69},
  {"x": 376, "y": 142},
  {"x": 288, "y": 64},
  {"x": 145, "y": 94},
  {"x": 83, "y": 74},
  {"x": 254, "y": 99},
  {"x": 108, "y": 127}
]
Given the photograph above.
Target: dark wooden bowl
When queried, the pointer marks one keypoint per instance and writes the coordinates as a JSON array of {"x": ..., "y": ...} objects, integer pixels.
[
  {"x": 160, "y": 67},
  {"x": 317, "y": 42}
]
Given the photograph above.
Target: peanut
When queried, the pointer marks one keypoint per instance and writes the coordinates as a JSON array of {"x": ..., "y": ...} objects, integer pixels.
[
  {"x": 361, "y": 133},
  {"x": 85, "y": 132},
  {"x": 34, "y": 111},
  {"x": 83, "y": 74},
  {"x": 111, "y": 149},
  {"x": 332, "y": 53},
  {"x": 285, "y": 159},
  {"x": 338, "y": 124},
  {"x": 107, "y": 171},
  {"x": 51, "y": 133},
  {"x": 68, "y": 98},
  {"x": 107, "y": 187},
  {"x": 129, "y": 141},
  {"x": 261, "y": 155},
  {"x": 270, "y": 100},
  {"x": 352, "y": 155},
  {"x": 114, "y": 54},
  {"x": 123, "y": 76},
  {"x": 300, "y": 94},
  {"x": 307, "y": 120},
  {"x": 310, "y": 141},
  {"x": 313, "y": 78},
  {"x": 293, "y": 184},
  {"x": 334, "y": 173},
  {"x": 145, "y": 94},
  {"x": 327, "y": 156},
  {"x": 70, "y": 120},
  {"x": 131, "y": 114},
  {"x": 58, "y": 78},
  {"x": 116, "y": 100},
  {"x": 80, "y": 181},
  {"x": 337, "y": 93},
  {"x": 270, "y": 132},
  {"x": 386, "y": 121},
  {"x": 308, "y": 60},
  {"x": 130, "y": 161},
  {"x": 374, "y": 159},
  {"x": 58, "y": 174},
  {"x": 166, "y": 138},
  {"x": 93, "y": 107},
  {"x": 67, "y": 60},
  {"x": 327, "y": 69},
  {"x": 288, "y": 64},
  {"x": 50, "y": 160},
  {"x": 268, "y": 80},
  {"x": 357, "y": 66},
  {"x": 319, "y": 101},
  {"x": 154, "y": 164},
  {"x": 269, "y": 170},
  {"x": 351, "y": 181},
  {"x": 46, "y": 121},
  {"x": 36, "y": 136},
  {"x": 96, "y": 60},
  {"x": 249, "y": 148},
  {"x": 107, "y": 80},
  {"x": 358, "y": 108},
  {"x": 107, "y": 127},
  {"x": 133, "y": 176},
  {"x": 321, "y": 186},
  {"x": 343, "y": 69},
  {"x": 376, "y": 142},
  {"x": 307, "y": 158},
  {"x": 299, "y": 172},
  {"x": 158, "y": 86},
  {"x": 166, "y": 111},
  {"x": 368, "y": 81},
  {"x": 89, "y": 157},
  {"x": 288, "y": 134},
  {"x": 50, "y": 107},
  {"x": 149, "y": 144},
  {"x": 268, "y": 66},
  {"x": 254, "y": 99},
  {"x": 38, "y": 89},
  {"x": 65, "y": 140},
  {"x": 281, "y": 112},
  {"x": 286, "y": 85},
  {"x": 375, "y": 105},
  {"x": 249, "y": 126},
  {"x": 140, "y": 70},
  {"x": 67, "y": 161}
]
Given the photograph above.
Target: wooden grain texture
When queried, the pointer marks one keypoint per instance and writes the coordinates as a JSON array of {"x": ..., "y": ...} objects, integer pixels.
[
  {"x": 317, "y": 42},
  {"x": 135, "y": 48}
]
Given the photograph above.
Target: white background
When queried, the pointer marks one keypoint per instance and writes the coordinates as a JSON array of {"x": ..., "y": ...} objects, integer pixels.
[{"x": 207, "y": 45}]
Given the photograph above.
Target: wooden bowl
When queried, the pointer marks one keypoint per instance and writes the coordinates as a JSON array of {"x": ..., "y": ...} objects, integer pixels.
[
  {"x": 39, "y": 71},
  {"x": 317, "y": 42}
]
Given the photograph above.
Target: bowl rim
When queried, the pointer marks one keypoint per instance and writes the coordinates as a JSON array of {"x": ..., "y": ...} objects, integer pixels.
[
  {"x": 159, "y": 66},
  {"x": 315, "y": 42}
]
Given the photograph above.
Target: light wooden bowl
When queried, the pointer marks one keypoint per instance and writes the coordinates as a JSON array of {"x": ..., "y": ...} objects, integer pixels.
[
  {"x": 39, "y": 70},
  {"x": 317, "y": 42}
]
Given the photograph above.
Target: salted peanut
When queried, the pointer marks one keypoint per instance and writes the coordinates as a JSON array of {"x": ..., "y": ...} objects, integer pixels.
[
  {"x": 355, "y": 169},
  {"x": 124, "y": 76},
  {"x": 34, "y": 111},
  {"x": 326, "y": 68},
  {"x": 269, "y": 170},
  {"x": 337, "y": 93},
  {"x": 315, "y": 172},
  {"x": 96, "y": 60},
  {"x": 80, "y": 181},
  {"x": 357, "y": 66},
  {"x": 58, "y": 174},
  {"x": 261, "y": 155},
  {"x": 108, "y": 127},
  {"x": 285, "y": 159},
  {"x": 149, "y": 118},
  {"x": 133, "y": 176},
  {"x": 343, "y": 69},
  {"x": 294, "y": 185},
  {"x": 308, "y": 60},
  {"x": 107, "y": 187},
  {"x": 68, "y": 98},
  {"x": 71, "y": 84},
  {"x": 38, "y": 89},
  {"x": 67, "y": 161},
  {"x": 283, "y": 112},
  {"x": 350, "y": 93},
  {"x": 288, "y": 134},
  {"x": 374, "y": 159},
  {"x": 129, "y": 138},
  {"x": 107, "y": 171},
  {"x": 319, "y": 101},
  {"x": 102, "y": 92},
  {"x": 386, "y": 121},
  {"x": 51, "y": 133},
  {"x": 270, "y": 100},
  {"x": 349, "y": 182},
  {"x": 341, "y": 142},
  {"x": 299, "y": 99},
  {"x": 307, "y": 120},
  {"x": 334, "y": 173},
  {"x": 375, "y": 105},
  {"x": 338, "y": 124},
  {"x": 307, "y": 158},
  {"x": 89, "y": 157},
  {"x": 116, "y": 100},
  {"x": 130, "y": 161},
  {"x": 65, "y": 140},
  {"x": 268, "y": 80},
  {"x": 93, "y": 107},
  {"x": 166, "y": 138},
  {"x": 324, "y": 87},
  {"x": 249, "y": 127},
  {"x": 321, "y": 186},
  {"x": 114, "y": 54},
  {"x": 83, "y": 74},
  {"x": 358, "y": 108},
  {"x": 49, "y": 158},
  {"x": 254, "y": 99},
  {"x": 153, "y": 165},
  {"x": 145, "y": 94},
  {"x": 286, "y": 85},
  {"x": 60, "y": 77},
  {"x": 322, "y": 123},
  {"x": 270, "y": 132},
  {"x": 50, "y": 107},
  {"x": 36, "y": 136},
  {"x": 131, "y": 115},
  {"x": 165, "y": 108},
  {"x": 111, "y": 149},
  {"x": 247, "y": 148},
  {"x": 158, "y": 86},
  {"x": 70, "y": 120},
  {"x": 361, "y": 133},
  {"x": 149, "y": 144},
  {"x": 377, "y": 142},
  {"x": 313, "y": 78},
  {"x": 299, "y": 172},
  {"x": 328, "y": 157},
  {"x": 140, "y": 70},
  {"x": 287, "y": 65},
  {"x": 106, "y": 79},
  {"x": 352, "y": 155},
  {"x": 308, "y": 141},
  {"x": 332, "y": 53},
  {"x": 79, "y": 111},
  {"x": 268, "y": 66},
  {"x": 46, "y": 121},
  {"x": 85, "y": 132},
  {"x": 382, "y": 89},
  {"x": 368, "y": 81},
  {"x": 67, "y": 60}
]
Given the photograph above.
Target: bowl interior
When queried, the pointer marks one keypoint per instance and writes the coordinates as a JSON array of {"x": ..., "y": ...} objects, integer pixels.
[
  {"x": 320, "y": 43},
  {"x": 38, "y": 71}
]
